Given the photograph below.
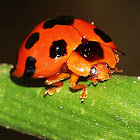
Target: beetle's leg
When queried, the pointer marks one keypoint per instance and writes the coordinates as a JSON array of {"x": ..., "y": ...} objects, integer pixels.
[
  {"x": 117, "y": 57},
  {"x": 94, "y": 79},
  {"x": 55, "y": 81},
  {"x": 117, "y": 70},
  {"x": 54, "y": 89},
  {"x": 73, "y": 80}
]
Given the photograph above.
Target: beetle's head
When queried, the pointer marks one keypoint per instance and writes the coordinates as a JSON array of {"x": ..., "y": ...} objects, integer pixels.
[{"x": 101, "y": 71}]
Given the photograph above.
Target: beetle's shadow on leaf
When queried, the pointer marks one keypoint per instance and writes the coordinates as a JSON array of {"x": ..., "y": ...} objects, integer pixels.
[{"x": 28, "y": 82}]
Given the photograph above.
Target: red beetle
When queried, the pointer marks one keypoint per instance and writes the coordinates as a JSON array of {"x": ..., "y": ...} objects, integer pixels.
[{"x": 66, "y": 47}]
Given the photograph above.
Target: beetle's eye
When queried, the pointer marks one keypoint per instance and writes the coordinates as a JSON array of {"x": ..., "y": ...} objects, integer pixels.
[
  {"x": 93, "y": 71},
  {"x": 107, "y": 66}
]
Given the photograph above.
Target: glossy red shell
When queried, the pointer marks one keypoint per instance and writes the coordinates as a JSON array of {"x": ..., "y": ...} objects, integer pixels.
[{"x": 45, "y": 66}]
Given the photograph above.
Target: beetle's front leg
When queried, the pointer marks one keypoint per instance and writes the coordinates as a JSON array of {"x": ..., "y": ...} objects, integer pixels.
[
  {"x": 73, "y": 80},
  {"x": 55, "y": 81}
]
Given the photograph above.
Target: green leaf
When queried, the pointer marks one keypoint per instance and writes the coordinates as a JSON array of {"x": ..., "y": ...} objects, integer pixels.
[{"x": 111, "y": 110}]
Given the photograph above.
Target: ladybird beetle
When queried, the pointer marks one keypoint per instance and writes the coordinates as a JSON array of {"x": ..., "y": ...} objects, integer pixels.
[{"x": 65, "y": 47}]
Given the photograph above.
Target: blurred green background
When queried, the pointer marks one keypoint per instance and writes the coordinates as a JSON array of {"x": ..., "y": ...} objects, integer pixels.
[{"x": 119, "y": 18}]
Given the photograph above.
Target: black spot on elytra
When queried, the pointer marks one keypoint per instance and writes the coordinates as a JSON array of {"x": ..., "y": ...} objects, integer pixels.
[
  {"x": 90, "y": 51},
  {"x": 32, "y": 40},
  {"x": 58, "y": 49},
  {"x": 102, "y": 35},
  {"x": 29, "y": 67},
  {"x": 61, "y": 20}
]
